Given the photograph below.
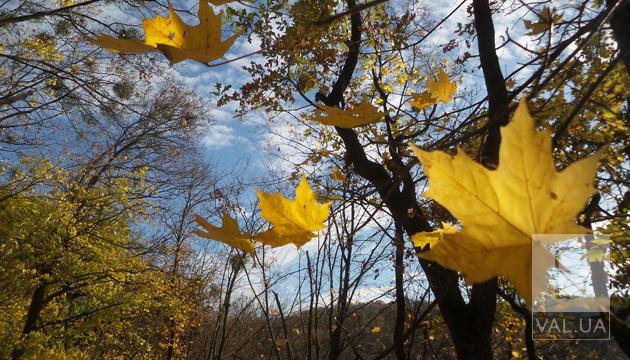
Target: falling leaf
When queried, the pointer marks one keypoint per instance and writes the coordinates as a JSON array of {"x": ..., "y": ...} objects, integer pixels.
[
  {"x": 294, "y": 221},
  {"x": 274, "y": 239},
  {"x": 596, "y": 250},
  {"x": 442, "y": 88},
  {"x": 337, "y": 174},
  {"x": 422, "y": 100},
  {"x": 363, "y": 113},
  {"x": 228, "y": 233},
  {"x": 304, "y": 213},
  {"x": 124, "y": 46},
  {"x": 500, "y": 210},
  {"x": 280, "y": 343},
  {"x": 439, "y": 91},
  {"x": 375, "y": 330},
  {"x": 177, "y": 40},
  {"x": 547, "y": 18},
  {"x": 431, "y": 238},
  {"x": 510, "y": 83},
  {"x": 596, "y": 255}
]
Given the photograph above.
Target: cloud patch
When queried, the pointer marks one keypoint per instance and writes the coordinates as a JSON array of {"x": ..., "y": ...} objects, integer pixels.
[{"x": 220, "y": 136}]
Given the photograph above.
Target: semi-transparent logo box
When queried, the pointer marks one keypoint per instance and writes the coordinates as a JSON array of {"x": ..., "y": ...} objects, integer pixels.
[{"x": 569, "y": 287}]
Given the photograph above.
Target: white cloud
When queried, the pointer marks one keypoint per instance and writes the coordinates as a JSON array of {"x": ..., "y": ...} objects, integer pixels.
[{"x": 219, "y": 136}]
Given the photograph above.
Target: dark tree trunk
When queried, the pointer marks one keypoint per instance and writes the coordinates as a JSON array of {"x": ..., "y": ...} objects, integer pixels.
[
  {"x": 620, "y": 24},
  {"x": 34, "y": 310},
  {"x": 495, "y": 83},
  {"x": 470, "y": 324}
]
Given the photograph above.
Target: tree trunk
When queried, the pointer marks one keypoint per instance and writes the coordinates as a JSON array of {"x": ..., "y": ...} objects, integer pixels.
[
  {"x": 34, "y": 309},
  {"x": 470, "y": 324},
  {"x": 620, "y": 24}
]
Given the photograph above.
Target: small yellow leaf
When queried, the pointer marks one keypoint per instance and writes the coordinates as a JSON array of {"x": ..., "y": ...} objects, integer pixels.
[
  {"x": 442, "y": 88},
  {"x": 500, "y": 210},
  {"x": 375, "y": 330},
  {"x": 337, "y": 174},
  {"x": 547, "y": 18},
  {"x": 596, "y": 254},
  {"x": 229, "y": 233},
  {"x": 361, "y": 114},
  {"x": 422, "y": 100},
  {"x": 280, "y": 343},
  {"x": 293, "y": 220}
]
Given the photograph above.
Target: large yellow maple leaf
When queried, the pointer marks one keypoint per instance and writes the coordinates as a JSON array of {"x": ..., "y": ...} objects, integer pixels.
[
  {"x": 500, "y": 210},
  {"x": 175, "y": 39},
  {"x": 228, "y": 233},
  {"x": 363, "y": 113},
  {"x": 294, "y": 221}
]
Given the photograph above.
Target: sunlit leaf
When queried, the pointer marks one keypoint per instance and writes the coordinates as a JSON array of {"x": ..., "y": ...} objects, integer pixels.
[
  {"x": 229, "y": 233},
  {"x": 546, "y": 19},
  {"x": 422, "y": 100},
  {"x": 274, "y": 239},
  {"x": 363, "y": 113},
  {"x": 443, "y": 88},
  {"x": 293, "y": 220},
  {"x": 501, "y": 209},
  {"x": 431, "y": 238},
  {"x": 177, "y": 40},
  {"x": 337, "y": 174}
]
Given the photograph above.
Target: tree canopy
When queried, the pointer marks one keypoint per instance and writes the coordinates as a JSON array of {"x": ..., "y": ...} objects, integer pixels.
[{"x": 409, "y": 153}]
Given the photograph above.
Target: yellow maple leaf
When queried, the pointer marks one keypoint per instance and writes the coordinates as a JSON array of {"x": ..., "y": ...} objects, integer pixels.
[
  {"x": 443, "y": 88},
  {"x": 177, "y": 40},
  {"x": 500, "y": 210},
  {"x": 293, "y": 220},
  {"x": 422, "y": 100},
  {"x": 280, "y": 343},
  {"x": 228, "y": 233},
  {"x": 337, "y": 174},
  {"x": 274, "y": 239},
  {"x": 547, "y": 18},
  {"x": 432, "y": 238},
  {"x": 361, "y": 114}
]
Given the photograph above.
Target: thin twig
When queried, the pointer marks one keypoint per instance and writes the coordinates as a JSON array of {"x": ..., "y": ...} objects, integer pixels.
[{"x": 587, "y": 95}]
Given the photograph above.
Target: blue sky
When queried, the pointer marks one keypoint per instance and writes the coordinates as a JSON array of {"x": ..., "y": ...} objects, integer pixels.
[
  {"x": 249, "y": 144},
  {"x": 233, "y": 141}
]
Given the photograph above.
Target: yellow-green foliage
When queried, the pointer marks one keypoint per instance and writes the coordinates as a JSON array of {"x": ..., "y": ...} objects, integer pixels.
[{"x": 77, "y": 242}]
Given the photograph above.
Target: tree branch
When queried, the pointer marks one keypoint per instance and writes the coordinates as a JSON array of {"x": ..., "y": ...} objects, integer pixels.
[{"x": 39, "y": 14}]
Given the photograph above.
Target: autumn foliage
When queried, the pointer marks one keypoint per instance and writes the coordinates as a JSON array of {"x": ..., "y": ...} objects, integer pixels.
[{"x": 398, "y": 148}]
